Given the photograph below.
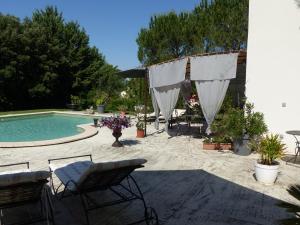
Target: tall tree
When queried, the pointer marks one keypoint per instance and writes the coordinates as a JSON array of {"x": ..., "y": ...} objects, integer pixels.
[
  {"x": 44, "y": 60},
  {"x": 216, "y": 25},
  {"x": 11, "y": 59},
  {"x": 229, "y": 25},
  {"x": 165, "y": 38}
]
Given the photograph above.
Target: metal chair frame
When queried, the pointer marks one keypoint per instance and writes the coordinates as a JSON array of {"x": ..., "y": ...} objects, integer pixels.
[
  {"x": 297, "y": 151},
  {"x": 45, "y": 204},
  {"x": 119, "y": 179}
]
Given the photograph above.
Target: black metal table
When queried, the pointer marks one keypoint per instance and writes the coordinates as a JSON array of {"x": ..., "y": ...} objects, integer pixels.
[{"x": 295, "y": 133}]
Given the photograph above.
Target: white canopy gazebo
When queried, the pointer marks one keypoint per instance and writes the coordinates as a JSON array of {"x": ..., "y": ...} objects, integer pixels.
[{"x": 210, "y": 72}]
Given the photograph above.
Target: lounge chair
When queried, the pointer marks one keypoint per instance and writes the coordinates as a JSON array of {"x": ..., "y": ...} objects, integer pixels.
[
  {"x": 84, "y": 177},
  {"x": 25, "y": 188},
  {"x": 150, "y": 117}
]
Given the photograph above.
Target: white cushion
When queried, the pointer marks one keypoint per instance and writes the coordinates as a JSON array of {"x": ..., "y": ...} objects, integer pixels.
[
  {"x": 15, "y": 171},
  {"x": 22, "y": 176},
  {"x": 79, "y": 171},
  {"x": 70, "y": 172}
]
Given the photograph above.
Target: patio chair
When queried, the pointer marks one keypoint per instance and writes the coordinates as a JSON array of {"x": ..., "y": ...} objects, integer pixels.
[
  {"x": 176, "y": 118},
  {"x": 84, "y": 177},
  {"x": 24, "y": 188},
  {"x": 150, "y": 117}
]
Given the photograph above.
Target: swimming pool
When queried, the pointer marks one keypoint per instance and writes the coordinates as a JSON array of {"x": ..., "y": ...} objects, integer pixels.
[{"x": 40, "y": 127}]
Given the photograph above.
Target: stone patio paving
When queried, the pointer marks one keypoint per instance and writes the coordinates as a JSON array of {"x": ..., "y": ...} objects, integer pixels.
[{"x": 185, "y": 184}]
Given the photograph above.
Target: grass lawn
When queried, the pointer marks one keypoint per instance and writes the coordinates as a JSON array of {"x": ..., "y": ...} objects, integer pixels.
[{"x": 30, "y": 111}]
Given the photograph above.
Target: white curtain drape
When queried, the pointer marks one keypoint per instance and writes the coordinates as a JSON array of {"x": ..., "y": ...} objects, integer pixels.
[
  {"x": 212, "y": 75},
  {"x": 156, "y": 109},
  {"x": 211, "y": 95},
  {"x": 214, "y": 67},
  {"x": 165, "y": 81},
  {"x": 166, "y": 98},
  {"x": 167, "y": 74}
]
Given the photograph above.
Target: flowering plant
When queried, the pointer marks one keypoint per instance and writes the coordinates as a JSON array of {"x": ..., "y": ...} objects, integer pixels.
[
  {"x": 193, "y": 101},
  {"x": 116, "y": 123}
]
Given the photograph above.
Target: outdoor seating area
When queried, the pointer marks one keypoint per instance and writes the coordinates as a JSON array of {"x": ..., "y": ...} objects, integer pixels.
[
  {"x": 170, "y": 113},
  {"x": 83, "y": 178},
  {"x": 214, "y": 187},
  {"x": 22, "y": 188}
]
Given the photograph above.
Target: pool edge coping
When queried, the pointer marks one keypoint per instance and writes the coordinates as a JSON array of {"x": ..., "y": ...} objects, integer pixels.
[
  {"x": 78, "y": 113},
  {"x": 89, "y": 131}
]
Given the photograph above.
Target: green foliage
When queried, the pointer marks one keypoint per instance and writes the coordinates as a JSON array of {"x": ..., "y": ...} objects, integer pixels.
[
  {"x": 101, "y": 98},
  {"x": 228, "y": 24},
  {"x": 292, "y": 208},
  {"x": 270, "y": 148},
  {"x": 44, "y": 60},
  {"x": 140, "y": 125},
  {"x": 217, "y": 25},
  {"x": 122, "y": 108},
  {"x": 218, "y": 139},
  {"x": 234, "y": 123},
  {"x": 230, "y": 124},
  {"x": 114, "y": 104},
  {"x": 254, "y": 122}
]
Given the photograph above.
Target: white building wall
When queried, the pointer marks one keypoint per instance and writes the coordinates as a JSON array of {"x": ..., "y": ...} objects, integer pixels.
[{"x": 273, "y": 64}]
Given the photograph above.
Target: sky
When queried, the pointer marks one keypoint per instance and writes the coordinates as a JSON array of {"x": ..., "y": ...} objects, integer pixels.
[{"x": 112, "y": 25}]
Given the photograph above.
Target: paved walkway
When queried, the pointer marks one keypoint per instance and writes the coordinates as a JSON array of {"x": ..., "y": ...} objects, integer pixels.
[{"x": 185, "y": 184}]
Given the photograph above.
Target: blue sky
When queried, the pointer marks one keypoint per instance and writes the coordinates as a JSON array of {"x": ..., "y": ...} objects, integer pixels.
[{"x": 112, "y": 25}]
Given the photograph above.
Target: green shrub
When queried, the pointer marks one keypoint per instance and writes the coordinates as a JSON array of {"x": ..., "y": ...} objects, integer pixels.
[
  {"x": 270, "y": 148},
  {"x": 115, "y": 103},
  {"x": 101, "y": 98},
  {"x": 254, "y": 122},
  {"x": 123, "y": 108},
  {"x": 236, "y": 122}
]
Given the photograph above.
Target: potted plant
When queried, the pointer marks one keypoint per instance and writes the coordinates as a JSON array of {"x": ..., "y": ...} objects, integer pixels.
[
  {"x": 209, "y": 144},
  {"x": 243, "y": 125},
  {"x": 140, "y": 126},
  {"x": 217, "y": 143},
  {"x": 220, "y": 139},
  {"x": 96, "y": 121},
  {"x": 270, "y": 148},
  {"x": 100, "y": 101},
  {"x": 116, "y": 124}
]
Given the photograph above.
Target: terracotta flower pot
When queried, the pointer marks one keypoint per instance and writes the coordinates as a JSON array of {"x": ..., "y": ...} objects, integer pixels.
[
  {"x": 140, "y": 133},
  {"x": 217, "y": 146},
  {"x": 210, "y": 146},
  {"x": 225, "y": 146}
]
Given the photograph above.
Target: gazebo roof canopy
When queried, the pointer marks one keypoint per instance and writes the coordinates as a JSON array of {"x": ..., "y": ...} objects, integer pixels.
[{"x": 139, "y": 72}]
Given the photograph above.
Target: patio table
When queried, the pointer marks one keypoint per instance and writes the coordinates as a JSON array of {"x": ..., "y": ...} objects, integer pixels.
[{"x": 295, "y": 133}]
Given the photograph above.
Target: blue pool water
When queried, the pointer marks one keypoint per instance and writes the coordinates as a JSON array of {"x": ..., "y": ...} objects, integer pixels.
[{"x": 40, "y": 127}]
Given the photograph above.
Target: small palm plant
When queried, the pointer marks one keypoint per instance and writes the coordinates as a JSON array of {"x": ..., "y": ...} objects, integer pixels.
[
  {"x": 270, "y": 148},
  {"x": 292, "y": 208}
]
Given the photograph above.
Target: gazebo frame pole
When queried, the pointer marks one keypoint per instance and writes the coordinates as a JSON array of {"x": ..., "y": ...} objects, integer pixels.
[{"x": 145, "y": 99}]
